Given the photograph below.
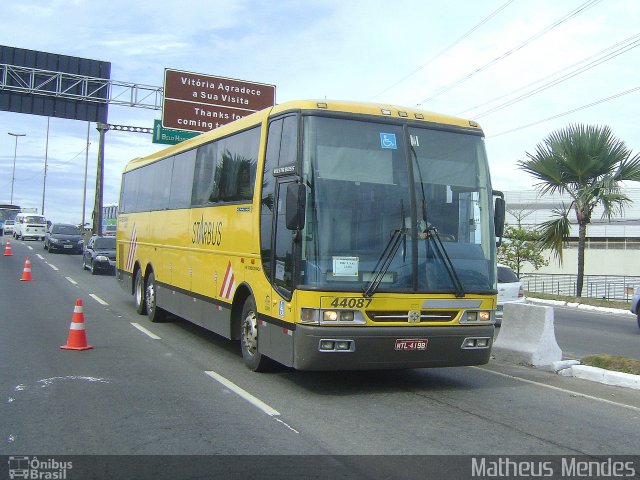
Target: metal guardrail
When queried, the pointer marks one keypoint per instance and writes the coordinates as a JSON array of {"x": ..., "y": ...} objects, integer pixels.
[{"x": 609, "y": 287}]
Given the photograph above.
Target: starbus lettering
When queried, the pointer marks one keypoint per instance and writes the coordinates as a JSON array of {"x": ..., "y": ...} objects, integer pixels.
[{"x": 207, "y": 233}]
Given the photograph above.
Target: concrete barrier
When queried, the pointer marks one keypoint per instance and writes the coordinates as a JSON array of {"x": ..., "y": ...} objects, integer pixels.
[{"x": 527, "y": 336}]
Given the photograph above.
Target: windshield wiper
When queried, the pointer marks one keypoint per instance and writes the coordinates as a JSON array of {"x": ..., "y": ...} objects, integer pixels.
[
  {"x": 384, "y": 262},
  {"x": 399, "y": 237},
  {"x": 433, "y": 233}
]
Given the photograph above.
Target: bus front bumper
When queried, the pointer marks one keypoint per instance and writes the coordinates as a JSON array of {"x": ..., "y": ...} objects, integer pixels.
[{"x": 353, "y": 348}]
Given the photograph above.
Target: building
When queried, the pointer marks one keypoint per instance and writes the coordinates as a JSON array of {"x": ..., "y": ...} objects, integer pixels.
[{"x": 613, "y": 246}]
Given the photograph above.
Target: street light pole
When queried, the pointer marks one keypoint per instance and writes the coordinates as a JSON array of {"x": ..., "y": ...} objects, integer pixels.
[{"x": 15, "y": 152}]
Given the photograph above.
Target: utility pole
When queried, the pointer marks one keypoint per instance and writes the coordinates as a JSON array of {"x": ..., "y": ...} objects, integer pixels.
[
  {"x": 15, "y": 153},
  {"x": 97, "y": 207}
]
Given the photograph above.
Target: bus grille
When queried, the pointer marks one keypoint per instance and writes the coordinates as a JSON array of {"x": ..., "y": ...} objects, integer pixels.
[{"x": 426, "y": 316}]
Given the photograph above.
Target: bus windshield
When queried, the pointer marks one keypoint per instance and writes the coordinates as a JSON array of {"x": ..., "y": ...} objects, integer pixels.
[
  {"x": 407, "y": 205},
  {"x": 9, "y": 212}
]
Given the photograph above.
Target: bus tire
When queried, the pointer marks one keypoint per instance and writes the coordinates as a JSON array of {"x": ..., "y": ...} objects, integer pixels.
[
  {"x": 155, "y": 313},
  {"x": 253, "y": 359},
  {"x": 139, "y": 293}
]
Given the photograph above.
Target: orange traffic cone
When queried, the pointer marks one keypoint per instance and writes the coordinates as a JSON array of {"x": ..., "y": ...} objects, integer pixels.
[
  {"x": 77, "y": 339},
  {"x": 26, "y": 272},
  {"x": 7, "y": 249}
]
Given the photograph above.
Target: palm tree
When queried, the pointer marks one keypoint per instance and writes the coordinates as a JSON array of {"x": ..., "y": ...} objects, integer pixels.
[{"x": 587, "y": 163}]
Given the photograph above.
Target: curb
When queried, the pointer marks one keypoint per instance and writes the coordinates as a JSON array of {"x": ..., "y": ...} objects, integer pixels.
[
  {"x": 582, "y": 306},
  {"x": 573, "y": 368},
  {"x": 596, "y": 374}
]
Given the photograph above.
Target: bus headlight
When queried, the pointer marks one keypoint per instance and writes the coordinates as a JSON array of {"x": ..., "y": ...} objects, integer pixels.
[
  {"x": 338, "y": 315},
  {"x": 310, "y": 315},
  {"x": 479, "y": 316},
  {"x": 315, "y": 316}
]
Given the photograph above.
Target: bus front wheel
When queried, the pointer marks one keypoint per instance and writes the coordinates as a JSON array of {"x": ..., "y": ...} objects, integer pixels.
[{"x": 253, "y": 359}]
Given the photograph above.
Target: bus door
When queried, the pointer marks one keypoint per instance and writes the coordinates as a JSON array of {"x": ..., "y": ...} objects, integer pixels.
[
  {"x": 276, "y": 338},
  {"x": 278, "y": 248}
]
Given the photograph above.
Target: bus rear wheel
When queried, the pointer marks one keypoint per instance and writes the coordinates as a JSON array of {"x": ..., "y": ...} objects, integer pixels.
[
  {"x": 138, "y": 293},
  {"x": 155, "y": 313},
  {"x": 253, "y": 359}
]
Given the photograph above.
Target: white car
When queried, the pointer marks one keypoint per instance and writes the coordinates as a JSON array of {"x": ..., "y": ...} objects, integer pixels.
[
  {"x": 510, "y": 290},
  {"x": 8, "y": 227}
]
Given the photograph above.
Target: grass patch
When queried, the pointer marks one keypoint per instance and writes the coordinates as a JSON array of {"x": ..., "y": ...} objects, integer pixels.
[
  {"x": 613, "y": 362},
  {"x": 596, "y": 302}
]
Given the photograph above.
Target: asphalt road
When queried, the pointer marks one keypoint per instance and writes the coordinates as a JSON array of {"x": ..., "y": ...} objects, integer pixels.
[
  {"x": 173, "y": 388},
  {"x": 580, "y": 333}
]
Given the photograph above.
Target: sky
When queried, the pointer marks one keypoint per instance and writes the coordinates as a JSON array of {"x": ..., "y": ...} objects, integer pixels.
[{"x": 521, "y": 68}]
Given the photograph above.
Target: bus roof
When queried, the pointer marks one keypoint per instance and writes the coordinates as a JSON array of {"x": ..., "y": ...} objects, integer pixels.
[{"x": 359, "y": 108}]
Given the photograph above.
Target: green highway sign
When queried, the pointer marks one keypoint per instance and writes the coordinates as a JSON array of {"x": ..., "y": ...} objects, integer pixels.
[{"x": 169, "y": 136}]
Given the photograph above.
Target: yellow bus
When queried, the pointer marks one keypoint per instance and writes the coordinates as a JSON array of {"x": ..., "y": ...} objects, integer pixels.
[{"x": 322, "y": 235}]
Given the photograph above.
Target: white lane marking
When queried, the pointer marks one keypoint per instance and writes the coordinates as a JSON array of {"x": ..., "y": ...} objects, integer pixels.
[
  {"x": 563, "y": 390},
  {"x": 39, "y": 256},
  {"x": 244, "y": 394},
  {"x": 98, "y": 299},
  {"x": 53, "y": 266},
  {"x": 29, "y": 247},
  {"x": 71, "y": 280},
  {"x": 145, "y": 331}
]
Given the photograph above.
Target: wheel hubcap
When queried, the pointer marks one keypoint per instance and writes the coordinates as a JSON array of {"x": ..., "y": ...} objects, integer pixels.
[
  {"x": 151, "y": 297},
  {"x": 139, "y": 291},
  {"x": 250, "y": 333}
]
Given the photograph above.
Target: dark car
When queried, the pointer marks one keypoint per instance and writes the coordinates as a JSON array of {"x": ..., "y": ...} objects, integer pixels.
[
  {"x": 64, "y": 237},
  {"x": 100, "y": 254},
  {"x": 635, "y": 304}
]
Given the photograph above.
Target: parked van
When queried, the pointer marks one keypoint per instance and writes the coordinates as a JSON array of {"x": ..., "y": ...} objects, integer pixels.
[{"x": 29, "y": 225}]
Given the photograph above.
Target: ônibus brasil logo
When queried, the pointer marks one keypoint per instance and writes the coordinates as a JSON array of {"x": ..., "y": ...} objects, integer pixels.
[{"x": 34, "y": 468}]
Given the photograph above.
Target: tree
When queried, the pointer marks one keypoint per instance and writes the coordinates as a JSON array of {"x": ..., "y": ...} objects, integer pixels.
[
  {"x": 520, "y": 246},
  {"x": 587, "y": 163}
]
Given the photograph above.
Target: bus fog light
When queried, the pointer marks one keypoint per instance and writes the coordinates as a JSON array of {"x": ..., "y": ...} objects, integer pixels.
[
  {"x": 327, "y": 345},
  {"x": 472, "y": 316},
  {"x": 343, "y": 345},
  {"x": 469, "y": 343},
  {"x": 472, "y": 343}
]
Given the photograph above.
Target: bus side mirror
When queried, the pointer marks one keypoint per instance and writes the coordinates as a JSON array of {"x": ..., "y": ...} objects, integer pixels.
[
  {"x": 295, "y": 206},
  {"x": 499, "y": 216}
]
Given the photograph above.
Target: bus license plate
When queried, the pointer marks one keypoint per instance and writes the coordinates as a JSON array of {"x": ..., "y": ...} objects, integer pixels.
[{"x": 411, "y": 343}]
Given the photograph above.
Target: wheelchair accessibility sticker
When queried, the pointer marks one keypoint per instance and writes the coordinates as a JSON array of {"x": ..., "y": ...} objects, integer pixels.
[{"x": 388, "y": 140}]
